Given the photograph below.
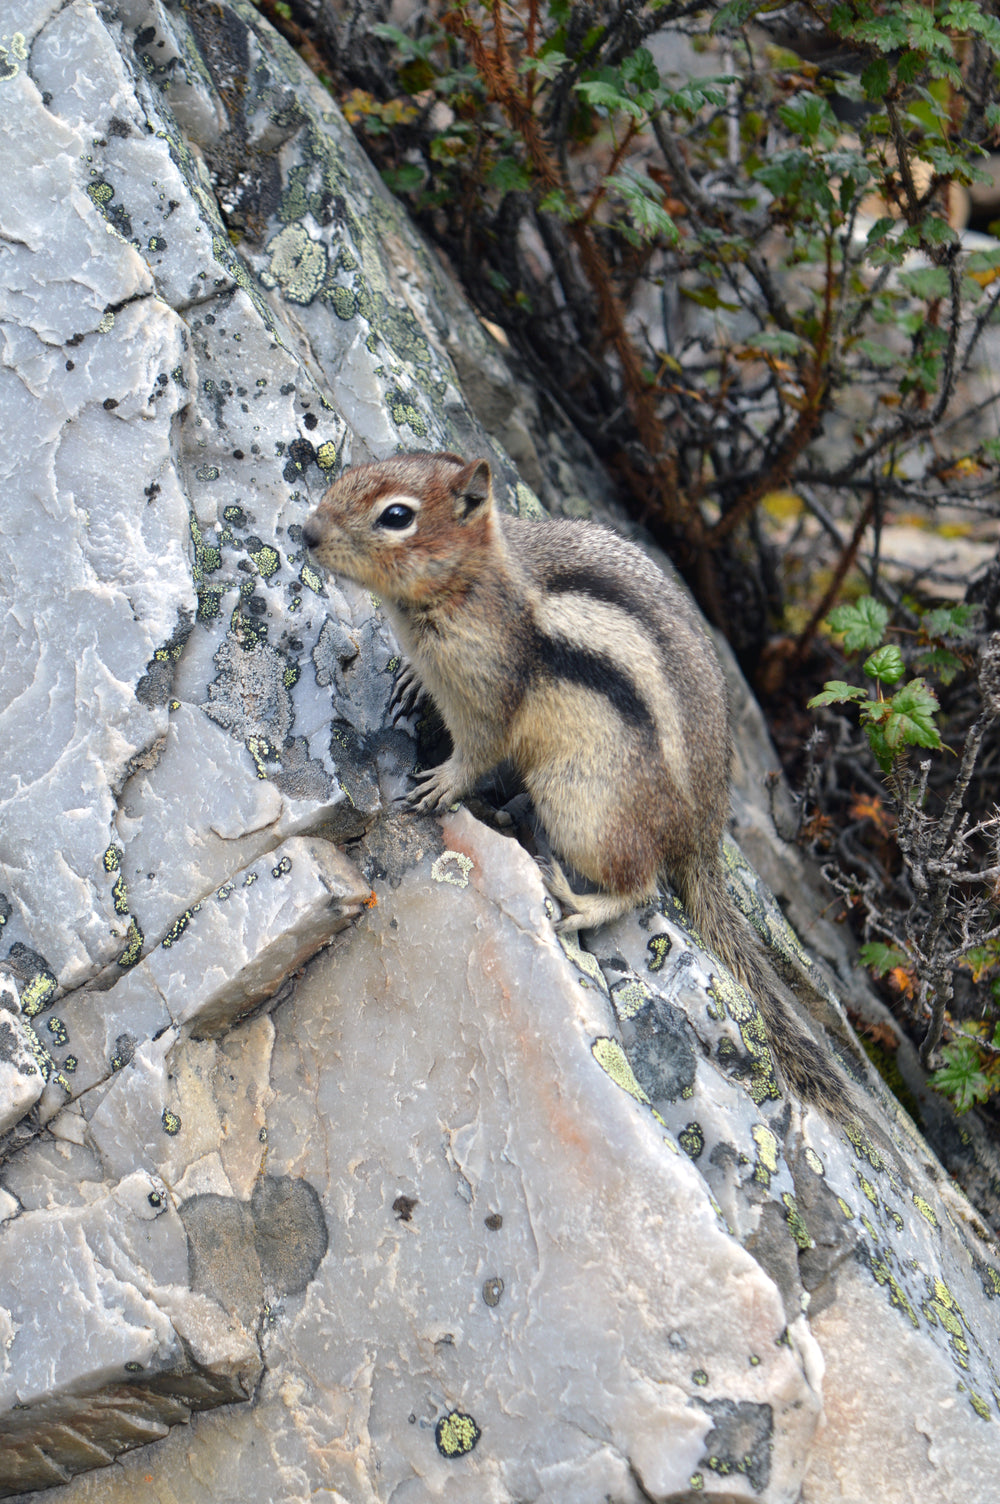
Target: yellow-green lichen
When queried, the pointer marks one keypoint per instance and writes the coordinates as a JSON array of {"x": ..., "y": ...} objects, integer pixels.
[
  {"x": 763, "y": 1083},
  {"x": 796, "y": 1222},
  {"x": 863, "y": 1147},
  {"x": 884, "y": 1276},
  {"x": 297, "y": 264},
  {"x": 311, "y": 579},
  {"x": 926, "y": 1210},
  {"x": 528, "y": 504},
  {"x": 630, "y": 999},
  {"x": 583, "y": 960},
  {"x": 699, "y": 1377},
  {"x": 659, "y": 949},
  {"x": 814, "y": 1162},
  {"x": 456, "y": 1434},
  {"x": 260, "y": 750},
  {"x": 867, "y": 1187},
  {"x": 326, "y": 455},
  {"x": 282, "y": 868},
  {"x": 692, "y": 1140},
  {"x": 119, "y": 895},
  {"x": 12, "y": 57},
  {"x": 171, "y": 1122},
  {"x": 452, "y": 867},
  {"x": 766, "y": 1163},
  {"x": 59, "y": 1032},
  {"x": 112, "y": 858},
  {"x": 38, "y": 993},
  {"x": 979, "y": 1405},
  {"x": 847, "y": 1210},
  {"x": 178, "y": 927},
  {"x": 267, "y": 560},
  {"x": 612, "y": 1058},
  {"x": 133, "y": 945}
]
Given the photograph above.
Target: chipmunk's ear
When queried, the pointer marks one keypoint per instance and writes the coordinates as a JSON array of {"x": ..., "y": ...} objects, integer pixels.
[{"x": 473, "y": 491}]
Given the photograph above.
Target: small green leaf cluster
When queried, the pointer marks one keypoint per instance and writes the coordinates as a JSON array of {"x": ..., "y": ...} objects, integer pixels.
[
  {"x": 965, "y": 1077},
  {"x": 907, "y": 717}
]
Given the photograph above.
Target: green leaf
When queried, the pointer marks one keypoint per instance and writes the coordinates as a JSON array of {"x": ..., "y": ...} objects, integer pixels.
[
  {"x": 708, "y": 297},
  {"x": 548, "y": 64},
  {"x": 912, "y": 720},
  {"x": 642, "y": 200},
  {"x": 879, "y": 355},
  {"x": 950, "y": 621},
  {"x": 942, "y": 662},
  {"x": 962, "y": 1077},
  {"x": 603, "y": 95},
  {"x": 886, "y": 665},
  {"x": 937, "y": 232},
  {"x": 881, "y": 228},
  {"x": 509, "y": 176},
  {"x": 875, "y": 79},
  {"x": 926, "y": 282},
  {"x": 735, "y": 13},
  {"x": 881, "y": 958},
  {"x": 779, "y": 342},
  {"x": 807, "y": 115},
  {"x": 863, "y": 623},
  {"x": 880, "y": 748},
  {"x": 639, "y": 70},
  {"x": 837, "y": 692},
  {"x": 405, "y": 179},
  {"x": 558, "y": 204}
]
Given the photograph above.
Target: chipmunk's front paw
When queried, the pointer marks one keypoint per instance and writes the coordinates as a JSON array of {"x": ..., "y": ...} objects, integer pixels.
[
  {"x": 407, "y": 693},
  {"x": 436, "y": 788}
]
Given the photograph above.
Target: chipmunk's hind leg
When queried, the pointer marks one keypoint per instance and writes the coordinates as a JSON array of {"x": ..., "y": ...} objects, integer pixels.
[{"x": 585, "y": 911}]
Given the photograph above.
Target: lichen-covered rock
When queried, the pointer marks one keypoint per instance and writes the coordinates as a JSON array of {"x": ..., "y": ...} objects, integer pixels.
[
  {"x": 462, "y": 1211},
  {"x": 21, "y": 1079}
]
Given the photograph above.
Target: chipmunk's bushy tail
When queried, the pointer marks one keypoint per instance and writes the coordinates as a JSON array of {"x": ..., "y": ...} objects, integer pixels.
[{"x": 807, "y": 1067}]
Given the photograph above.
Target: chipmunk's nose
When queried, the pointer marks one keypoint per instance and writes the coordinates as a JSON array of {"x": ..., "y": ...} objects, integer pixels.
[{"x": 311, "y": 532}]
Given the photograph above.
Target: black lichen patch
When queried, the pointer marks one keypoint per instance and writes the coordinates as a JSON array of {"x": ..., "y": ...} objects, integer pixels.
[
  {"x": 133, "y": 946},
  {"x": 156, "y": 685},
  {"x": 290, "y": 1232},
  {"x": 404, "y": 1207},
  {"x": 243, "y": 1253},
  {"x": 39, "y": 985},
  {"x": 222, "y": 1259},
  {"x": 657, "y": 1041},
  {"x": 456, "y": 1434},
  {"x": 12, "y": 1050},
  {"x": 740, "y": 1441},
  {"x": 124, "y": 1052},
  {"x": 692, "y": 1140},
  {"x": 59, "y": 1032},
  {"x": 492, "y": 1290}
]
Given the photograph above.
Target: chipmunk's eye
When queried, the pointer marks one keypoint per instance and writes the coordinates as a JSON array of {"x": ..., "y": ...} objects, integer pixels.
[{"x": 397, "y": 516}]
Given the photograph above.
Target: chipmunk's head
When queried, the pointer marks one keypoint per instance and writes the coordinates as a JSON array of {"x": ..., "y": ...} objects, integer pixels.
[{"x": 410, "y": 529}]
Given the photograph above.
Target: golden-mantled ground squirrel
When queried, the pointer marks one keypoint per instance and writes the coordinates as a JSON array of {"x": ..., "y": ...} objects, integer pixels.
[{"x": 561, "y": 647}]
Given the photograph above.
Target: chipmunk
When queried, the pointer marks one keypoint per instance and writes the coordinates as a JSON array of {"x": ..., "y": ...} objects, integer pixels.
[{"x": 559, "y": 646}]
